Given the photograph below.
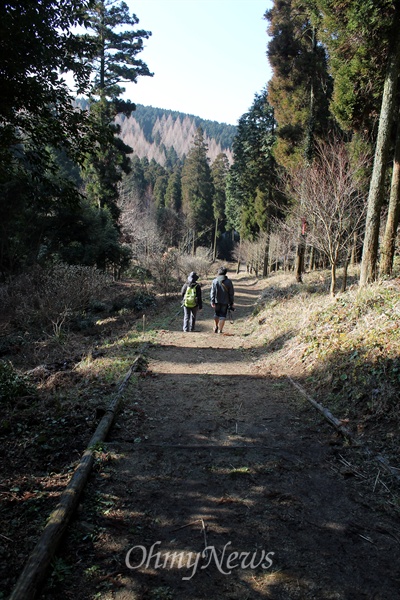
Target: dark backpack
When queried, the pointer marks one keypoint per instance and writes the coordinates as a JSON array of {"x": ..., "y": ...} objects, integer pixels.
[{"x": 190, "y": 299}]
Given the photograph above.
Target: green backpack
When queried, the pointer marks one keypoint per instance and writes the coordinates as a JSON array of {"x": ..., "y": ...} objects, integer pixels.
[{"x": 190, "y": 299}]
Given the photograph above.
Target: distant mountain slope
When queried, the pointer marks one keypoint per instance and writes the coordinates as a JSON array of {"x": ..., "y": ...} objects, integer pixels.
[{"x": 154, "y": 132}]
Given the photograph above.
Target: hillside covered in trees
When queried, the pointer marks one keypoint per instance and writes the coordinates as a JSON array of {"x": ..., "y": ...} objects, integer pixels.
[
  {"x": 152, "y": 132},
  {"x": 167, "y": 136}
]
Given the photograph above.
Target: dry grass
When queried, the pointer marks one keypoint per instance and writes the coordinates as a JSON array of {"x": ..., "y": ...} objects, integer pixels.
[{"x": 344, "y": 350}]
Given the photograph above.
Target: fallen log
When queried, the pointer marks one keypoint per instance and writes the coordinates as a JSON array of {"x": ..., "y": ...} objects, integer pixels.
[
  {"x": 38, "y": 562},
  {"x": 336, "y": 423}
]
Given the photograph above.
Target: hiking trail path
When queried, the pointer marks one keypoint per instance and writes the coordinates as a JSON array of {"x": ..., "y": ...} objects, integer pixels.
[{"x": 212, "y": 451}]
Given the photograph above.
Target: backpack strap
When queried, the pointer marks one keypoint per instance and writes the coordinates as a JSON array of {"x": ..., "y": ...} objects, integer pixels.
[{"x": 227, "y": 291}]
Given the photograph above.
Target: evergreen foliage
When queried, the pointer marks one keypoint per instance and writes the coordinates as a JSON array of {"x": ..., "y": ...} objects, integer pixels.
[
  {"x": 115, "y": 62},
  {"x": 36, "y": 116},
  {"x": 173, "y": 193},
  {"x": 251, "y": 184},
  {"x": 219, "y": 172},
  {"x": 357, "y": 34},
  {"x": 108, "y": 159},
  {"x": 198, "y": 189},
  {"x": 86, "y": 235},
  {"x": 72, "y": 187},
  {"x": 300, "y": 87}
]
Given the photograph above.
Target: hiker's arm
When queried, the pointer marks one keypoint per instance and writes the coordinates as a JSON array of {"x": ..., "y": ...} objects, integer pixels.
[
  {"x": 212, "y": 295},
  {"x": 231, "y": 294}
]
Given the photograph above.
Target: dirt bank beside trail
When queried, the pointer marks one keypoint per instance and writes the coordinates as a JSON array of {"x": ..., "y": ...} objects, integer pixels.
[{"x": 210, "y": 452}]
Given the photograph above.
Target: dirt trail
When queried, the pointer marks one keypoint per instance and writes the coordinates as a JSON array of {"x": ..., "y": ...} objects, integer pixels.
[{"x": 211, "y": 452}]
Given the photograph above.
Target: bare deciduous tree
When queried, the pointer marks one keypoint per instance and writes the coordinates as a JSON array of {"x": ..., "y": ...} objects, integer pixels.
[
  {"x": 332, "y": 198},
  {"x": 139, "y": 228}
]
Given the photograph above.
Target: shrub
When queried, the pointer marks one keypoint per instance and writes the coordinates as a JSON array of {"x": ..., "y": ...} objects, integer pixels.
[
  {"x": 12, "y": 385},
  {"x": 201, "y": 263},
  {"x": 163, "y": 267},
  {"x": 52, "y": 297},
  {"x": 136, "y": 302}
]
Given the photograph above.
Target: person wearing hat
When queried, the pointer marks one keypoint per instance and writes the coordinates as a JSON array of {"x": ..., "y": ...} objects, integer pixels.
[
  {"x": 222, "y": 296},
  {"x": 191, "y": 301}
]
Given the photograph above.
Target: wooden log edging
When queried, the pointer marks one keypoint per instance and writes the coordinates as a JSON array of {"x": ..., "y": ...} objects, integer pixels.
[
  {"x": 38, "y": 562},
  {"x": 336, "y": 423}
]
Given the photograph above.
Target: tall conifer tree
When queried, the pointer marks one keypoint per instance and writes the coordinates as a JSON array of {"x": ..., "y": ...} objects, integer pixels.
[
  {"x": 115, "y": 63},
  {"x": 198, "y": 190},
  {"x": 252, "y": 178},
  {"x": 300, "y": 87},
  {"x": 219, "y": 172}
]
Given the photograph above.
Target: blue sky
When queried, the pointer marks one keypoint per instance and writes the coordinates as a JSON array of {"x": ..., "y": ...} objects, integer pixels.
[{"x": 208, "y": 56}]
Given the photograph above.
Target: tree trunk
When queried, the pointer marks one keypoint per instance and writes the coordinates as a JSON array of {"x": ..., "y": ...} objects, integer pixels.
[
  {"x": 312, "y": 258},
  {"x": 215, "y": 239},
  {"x": 389, "y": 239},
  {"x": 239, "y": 258},
  {"x": 345, "y": 269},
  {"x": 333, "y": 278},
  {"x": 371, "y": 239},
  {"x": 266, "y": 258},
  {"x": 354, "y": 256},
  {"x": 299, "y": 268}
]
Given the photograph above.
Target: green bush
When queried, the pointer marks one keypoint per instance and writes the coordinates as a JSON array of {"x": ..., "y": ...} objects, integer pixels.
[
  {"x": 13, "y": 385},
  {"x": 137, "y": 302}
]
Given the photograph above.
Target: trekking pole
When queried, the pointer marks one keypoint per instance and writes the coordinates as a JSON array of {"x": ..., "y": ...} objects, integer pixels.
[{"x": 179, "y": 312}]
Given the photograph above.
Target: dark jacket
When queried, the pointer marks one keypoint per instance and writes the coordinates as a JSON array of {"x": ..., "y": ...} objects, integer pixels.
[
  {"x": 192, "y": 281},
  {"x": 222, "y": 291}
]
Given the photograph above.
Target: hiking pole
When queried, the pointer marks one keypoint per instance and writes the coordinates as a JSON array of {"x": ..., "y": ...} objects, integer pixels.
[{"x": 179, "y": 312}]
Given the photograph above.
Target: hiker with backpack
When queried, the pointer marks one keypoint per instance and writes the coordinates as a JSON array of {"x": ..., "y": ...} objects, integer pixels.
[
  {"x": 222, "y": 297},
  {"x": 191, "y": 301}
]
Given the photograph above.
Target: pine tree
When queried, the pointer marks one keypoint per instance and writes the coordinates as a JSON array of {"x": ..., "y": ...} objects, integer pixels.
[
  {"x": 173, "y": 193},
  {"x": 389, "y": 108},
  {"x": 219, "y": 173},
  {"x": 356, "y": 34},
  {"x": 160, "y": 188},
  {"x": 115, "y": 63},
  {"x": 300, "y": 87},
  {"x": 252, "y": 177},
  {"x": 198, "y": 191},
  {"x": 363, "y": 38}
]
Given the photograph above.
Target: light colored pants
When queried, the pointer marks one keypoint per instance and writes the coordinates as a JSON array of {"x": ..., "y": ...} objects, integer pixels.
[{"x": 189, "y": 318}]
